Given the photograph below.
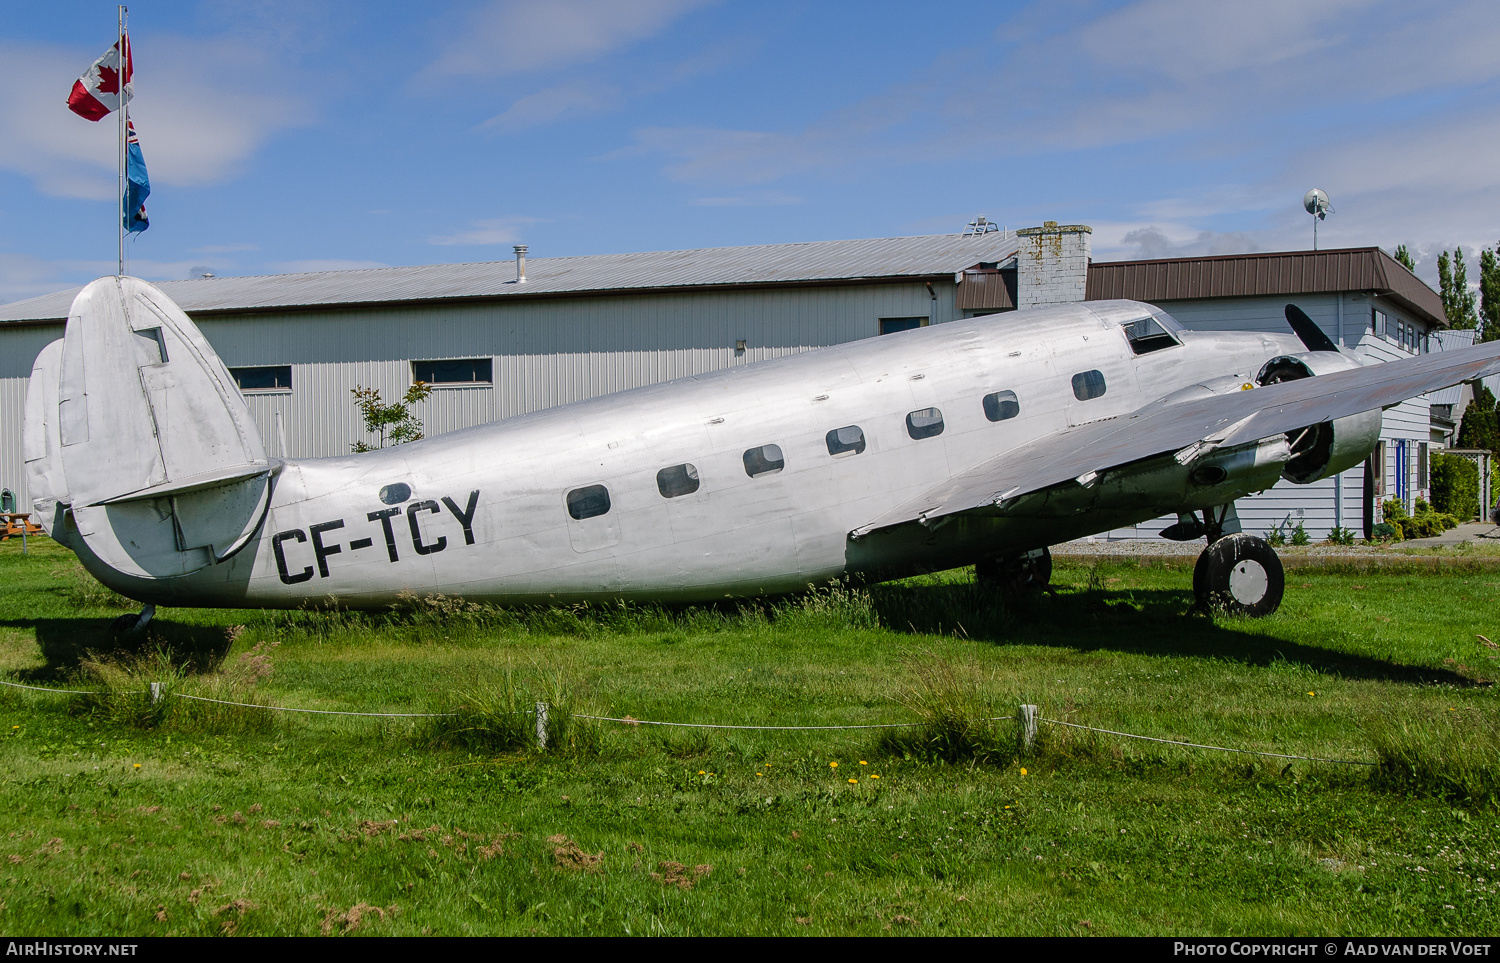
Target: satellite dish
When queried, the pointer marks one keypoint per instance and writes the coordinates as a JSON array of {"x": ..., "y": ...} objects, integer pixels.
[{"x": 1315, "y": 202}]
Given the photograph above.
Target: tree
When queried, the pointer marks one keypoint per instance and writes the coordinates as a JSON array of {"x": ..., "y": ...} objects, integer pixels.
[
  {"x": 1453, "y": 286},
  {"x": 1404, "y": 257},
  {"x": 1489, "y": 296},
  {"x": 1480, "y": 427},
  {"x": 394, "y": 421}
]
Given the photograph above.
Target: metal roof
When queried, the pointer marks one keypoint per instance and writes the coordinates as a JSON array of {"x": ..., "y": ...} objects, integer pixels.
[
  {"x": 1250, "y": 275},
  {"x": 758, "y": 265}
]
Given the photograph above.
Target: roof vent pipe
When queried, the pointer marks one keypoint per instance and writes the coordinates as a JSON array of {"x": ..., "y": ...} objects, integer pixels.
[{"x": 520, "y": 264}]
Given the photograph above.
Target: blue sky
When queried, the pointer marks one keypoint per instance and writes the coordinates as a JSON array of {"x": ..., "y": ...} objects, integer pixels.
[{"x": 285, "y": 136}]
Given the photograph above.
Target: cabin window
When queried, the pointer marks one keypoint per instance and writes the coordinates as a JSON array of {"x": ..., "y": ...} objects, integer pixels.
[
  {"x": 892, "y": 325},
  {"x": 395, "y": 493},
  {"x": 277, "y": 377},
  {"x": 588, "y": 502},
  {"x": 677, "y": 480},
  {"x": 1001, "y": 405},
  {"x": 846, "y": 441},
  {"x": 924, "y": 423},
  {"x": 464, "y": 371},
  {"x": 765, "y": 460},
  {"x": 1088, "y": 384},
  {"x": 1147, "y": 335}
]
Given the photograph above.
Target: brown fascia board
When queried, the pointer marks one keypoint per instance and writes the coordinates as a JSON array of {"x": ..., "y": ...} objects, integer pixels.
[
  {"x": 1285, "y": 273},
  {"x": 346, "y": 306}
]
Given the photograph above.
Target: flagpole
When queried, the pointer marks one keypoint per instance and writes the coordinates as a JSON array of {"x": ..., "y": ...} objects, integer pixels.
[{"x": 124, "y": 120}]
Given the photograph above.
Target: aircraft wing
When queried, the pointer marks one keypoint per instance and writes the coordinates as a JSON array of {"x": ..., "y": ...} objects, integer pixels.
[{"x": 1218, "y": 421}]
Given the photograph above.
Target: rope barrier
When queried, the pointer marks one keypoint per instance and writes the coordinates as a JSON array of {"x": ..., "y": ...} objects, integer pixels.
[
  {"x": 705, "y": 725},
  {"x": 38, "y": 688},
  {"x": 1195, "y": 745},
  {"x": 320, "y": 712}
]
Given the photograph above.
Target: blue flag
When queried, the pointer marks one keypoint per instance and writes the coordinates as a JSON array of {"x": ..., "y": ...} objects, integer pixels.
[{"x": 137, "y": 187}]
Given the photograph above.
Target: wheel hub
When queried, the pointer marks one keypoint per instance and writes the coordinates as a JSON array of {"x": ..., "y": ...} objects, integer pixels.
[{"x": 1248, "y": 582}]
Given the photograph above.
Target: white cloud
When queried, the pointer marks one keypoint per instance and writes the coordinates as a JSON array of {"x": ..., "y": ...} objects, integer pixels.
[
  {"x": 574, "y": 98},
  {"x": 510, "y": 36},
  {"x": 1226, "y": 81},
  {"x": 202, "y": 107},
  {"x": 754, "y": 199},
  {"x": 501, "y": 230},
  {"x": 226, "y": 248}
]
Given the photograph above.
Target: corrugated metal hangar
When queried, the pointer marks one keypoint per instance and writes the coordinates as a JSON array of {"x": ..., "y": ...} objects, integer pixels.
[{"x": 503, "y": 338}]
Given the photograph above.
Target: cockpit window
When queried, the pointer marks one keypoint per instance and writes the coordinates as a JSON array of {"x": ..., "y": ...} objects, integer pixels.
[{"x": 1147, "y": 335}]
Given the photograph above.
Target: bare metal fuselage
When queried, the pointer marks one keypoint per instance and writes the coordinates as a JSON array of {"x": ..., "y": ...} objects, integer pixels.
[{"x": 483, "y": 513}]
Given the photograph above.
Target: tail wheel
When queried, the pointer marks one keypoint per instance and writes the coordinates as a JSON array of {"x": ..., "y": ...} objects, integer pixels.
[
  {"x": 1241, "y": 575},
  {"x": 1031, "y": 572}
]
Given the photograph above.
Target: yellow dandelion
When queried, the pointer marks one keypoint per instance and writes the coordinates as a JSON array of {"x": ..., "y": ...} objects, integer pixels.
[
  {"x": 863, "y": 763},
  {"x": 1023, "y": 771},
  {"x": 874, "y": 776},
  {"x": 1312, "y": 693},
  {"x": 138, "y": 765},
  {"x": 833, "y": 765},
  {"x": 854, "y": 780},
  {"x": 702, "y": 773},
  {"x": 760, "y": 774}
]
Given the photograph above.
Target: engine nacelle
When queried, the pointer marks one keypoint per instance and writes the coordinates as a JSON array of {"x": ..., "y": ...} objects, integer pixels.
[{"x": 1328, "y": 447}]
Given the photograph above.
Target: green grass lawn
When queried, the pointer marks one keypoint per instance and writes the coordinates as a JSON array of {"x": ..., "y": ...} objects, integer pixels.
[{"x": 125, "y": 817}]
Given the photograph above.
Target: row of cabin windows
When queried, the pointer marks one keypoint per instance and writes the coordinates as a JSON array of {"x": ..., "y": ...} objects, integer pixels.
[
  {"x": 463, "y": 371},
  {"x": 593, "y": 500}
]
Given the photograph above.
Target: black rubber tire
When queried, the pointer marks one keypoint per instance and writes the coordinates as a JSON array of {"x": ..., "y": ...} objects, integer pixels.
[
  {"x": 1239, "y": 575},
  {"x": 1016, "y": 574}
]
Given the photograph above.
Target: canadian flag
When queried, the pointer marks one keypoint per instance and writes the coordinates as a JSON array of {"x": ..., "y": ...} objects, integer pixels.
[{"x": 97, "y": 92}]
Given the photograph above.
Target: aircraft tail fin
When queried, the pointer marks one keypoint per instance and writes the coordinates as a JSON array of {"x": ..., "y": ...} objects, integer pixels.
[{"x": 141, "y": 431}]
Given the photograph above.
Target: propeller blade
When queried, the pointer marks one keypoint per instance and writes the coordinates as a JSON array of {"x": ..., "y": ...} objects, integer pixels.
[{"x": 1309, "y": 332}]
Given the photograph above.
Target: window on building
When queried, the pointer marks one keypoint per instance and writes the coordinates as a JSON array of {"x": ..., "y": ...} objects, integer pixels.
[
  {"x": 1001, "y": 405},
  {"x": 765, "y": 460},
  {"x": 846, "y": 441},
  {"x": 1088, "y": 384},
  {"x": 677, "y": 480},
  {"x": 265, "y": 378},
  {"x": 924, "y": 423},
  {"x": 588, "y": 502},
  {"x": 463, "y": 371},
  {"x": 892, "y": 325},
  {"x": 1377, "y": 321}
]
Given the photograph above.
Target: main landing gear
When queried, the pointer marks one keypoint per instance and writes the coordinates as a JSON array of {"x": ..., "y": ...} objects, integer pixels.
[
  {"x": 1237, "y": 573},
  {"x": 1016, "y": 574}
]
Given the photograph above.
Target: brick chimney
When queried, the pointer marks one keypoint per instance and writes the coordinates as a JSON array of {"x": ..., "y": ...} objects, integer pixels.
[{"x": 1052, "y": 265}]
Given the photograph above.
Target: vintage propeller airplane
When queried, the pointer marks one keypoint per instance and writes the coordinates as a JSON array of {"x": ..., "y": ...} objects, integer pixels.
[{"x": 981, "y": 441}]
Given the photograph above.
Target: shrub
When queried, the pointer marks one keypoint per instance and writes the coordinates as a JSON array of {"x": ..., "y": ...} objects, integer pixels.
[
  {"x": 1276, "y": 537},
  {"x": 1455, "y": 485},
  {"x": 1339, "y": 535},
  {"x": 1299, "y": 535}
]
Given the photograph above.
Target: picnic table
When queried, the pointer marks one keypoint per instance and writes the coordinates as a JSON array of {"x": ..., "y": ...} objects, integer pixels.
[{"x": 19, "y": 523}]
